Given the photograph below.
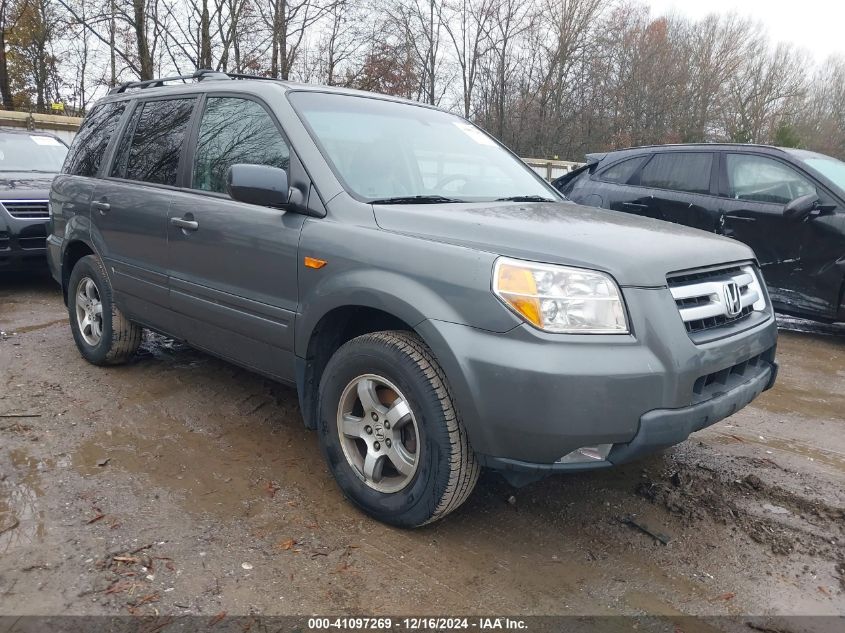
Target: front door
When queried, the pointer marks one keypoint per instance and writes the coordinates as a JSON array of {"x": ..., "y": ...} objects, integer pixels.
[
  {"x": 233, "y": 266},
  {"x": 129, "y": 207},
  {"x": 756, "y": 189}
]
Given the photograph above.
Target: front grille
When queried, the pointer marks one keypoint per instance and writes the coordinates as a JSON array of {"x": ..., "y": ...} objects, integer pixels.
[
  {"x": 716, "y": 298},
  {"x": 27, "y": 209}
]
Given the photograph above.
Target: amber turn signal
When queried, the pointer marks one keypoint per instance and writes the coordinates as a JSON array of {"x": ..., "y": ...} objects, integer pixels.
[
  {"x": 313, "y": 262},
  {"x": 517, "y": 286}
]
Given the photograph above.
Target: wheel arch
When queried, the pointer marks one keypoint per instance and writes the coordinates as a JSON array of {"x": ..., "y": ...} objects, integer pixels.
[
  {"x": 73, "y": 251},
  {"x": 335, "y": 327}
]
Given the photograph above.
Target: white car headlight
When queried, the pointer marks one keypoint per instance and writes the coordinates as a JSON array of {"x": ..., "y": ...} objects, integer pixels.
[{"x": 560, "y": 299}]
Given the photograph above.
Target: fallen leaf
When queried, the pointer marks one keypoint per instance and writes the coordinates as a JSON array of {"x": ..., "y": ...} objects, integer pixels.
[
  {"x": 286, "y": 544},
  {"x": 95, "y": 519},
  {"x": 728, "y": 595},
  {"x": 153, "y": 597},
  {"x": 271, "y": 488},
  {"x": 217, "y": 618}
]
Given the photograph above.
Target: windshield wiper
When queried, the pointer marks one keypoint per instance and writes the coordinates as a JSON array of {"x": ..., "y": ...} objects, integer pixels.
[
  {"x": 416, "y": 200},
  {"x": 524, "y": 199}
]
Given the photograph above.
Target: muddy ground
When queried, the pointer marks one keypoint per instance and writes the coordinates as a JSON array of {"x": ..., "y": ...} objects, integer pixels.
[{"x": 182, "y": 484}]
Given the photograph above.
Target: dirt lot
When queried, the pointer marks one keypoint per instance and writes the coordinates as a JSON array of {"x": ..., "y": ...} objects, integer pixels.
[{"x": 182, "y": 484}]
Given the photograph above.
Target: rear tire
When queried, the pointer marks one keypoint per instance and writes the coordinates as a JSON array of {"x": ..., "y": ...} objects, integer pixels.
[
  {"x": 420, "y": 469},
  {"x": 102, "y": 333}
]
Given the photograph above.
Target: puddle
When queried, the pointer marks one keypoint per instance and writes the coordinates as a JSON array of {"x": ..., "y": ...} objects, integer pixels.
[
  {"x": 21, "y": 520},
  {"x": 812, "y": 372},
  {"x": 788, "y": 398},
  {"x": 824, "y": 457}
]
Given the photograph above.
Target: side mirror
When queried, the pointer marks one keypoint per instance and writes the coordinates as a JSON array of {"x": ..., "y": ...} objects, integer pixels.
[
  {"x": 258, "y": 184},
  {"x": 801, "y": 207}
]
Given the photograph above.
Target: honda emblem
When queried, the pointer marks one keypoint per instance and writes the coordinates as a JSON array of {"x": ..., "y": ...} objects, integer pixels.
[{"x": 733, "y": 299}]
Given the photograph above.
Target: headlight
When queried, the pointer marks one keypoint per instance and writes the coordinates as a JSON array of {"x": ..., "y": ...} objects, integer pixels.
[{"x": 560, "y": 299}]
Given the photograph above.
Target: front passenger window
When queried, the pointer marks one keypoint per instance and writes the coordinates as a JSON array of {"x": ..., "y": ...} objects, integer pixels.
[
  {"x": 232, "y": 131},
  {"x": 762, "y": 179}
]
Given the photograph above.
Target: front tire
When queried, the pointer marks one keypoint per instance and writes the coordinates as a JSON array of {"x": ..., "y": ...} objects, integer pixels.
[
  {"x": 390, "y": 432},
  {"x": 103, "y": 335}
]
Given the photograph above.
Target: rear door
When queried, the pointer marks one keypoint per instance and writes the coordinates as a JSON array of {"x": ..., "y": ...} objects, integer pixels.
[
  {"x": 756, "y": 188},
  {"x": 233, "y": 276},
  {"x": 72, "y": 190},
  {"x": 677, "y": 187},
  {"x": 129, "y": 209}
]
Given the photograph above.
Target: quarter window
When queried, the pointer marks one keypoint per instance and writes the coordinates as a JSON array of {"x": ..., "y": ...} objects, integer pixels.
[
  {"x": 621, "y": 172},
  {"x": 762, "y": 179},
  {"x": 90, "y": 144},
  {"x": 235, "y": 131},
  {"x": 679, "y": 171},
  {"x": 150, "y": 148}
]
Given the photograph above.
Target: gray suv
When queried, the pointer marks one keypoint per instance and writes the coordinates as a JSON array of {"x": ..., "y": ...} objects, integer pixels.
[{"x": 438, "y": 306}]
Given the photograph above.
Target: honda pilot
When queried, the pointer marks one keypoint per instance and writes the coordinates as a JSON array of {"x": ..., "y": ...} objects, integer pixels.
[{"x": 438, "y": 306}]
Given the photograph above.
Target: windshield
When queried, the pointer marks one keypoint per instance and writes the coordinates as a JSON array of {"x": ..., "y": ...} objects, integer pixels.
[
  {"x": 831, "y": 168},
  {"x": 31, "y": 152},
  {"x": 383, "y": 149}
]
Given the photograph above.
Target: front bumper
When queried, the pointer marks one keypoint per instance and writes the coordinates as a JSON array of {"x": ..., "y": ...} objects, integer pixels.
[
  {"x": 23, "y": 243},
  {"x": 660, "y": 428},
  {"x": 528, "y": 398}
]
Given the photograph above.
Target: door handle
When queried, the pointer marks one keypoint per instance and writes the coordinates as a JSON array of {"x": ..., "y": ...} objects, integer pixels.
[
  {"x": 185, "y": 225},
  {"x": 634, "y": 205},
  {"x": 102, "y": 207}
]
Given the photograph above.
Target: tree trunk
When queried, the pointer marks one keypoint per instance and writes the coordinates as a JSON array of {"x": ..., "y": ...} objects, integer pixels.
[
  {"x": 112, "y": 59},
  {"x": 146, "y": 62},
  {"x": 205, "y": 38},
  {"x": 5, "y": 88}
]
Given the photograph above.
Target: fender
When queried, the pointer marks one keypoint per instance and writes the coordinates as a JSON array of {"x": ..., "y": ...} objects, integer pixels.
[{"x": 403, "y": 297}]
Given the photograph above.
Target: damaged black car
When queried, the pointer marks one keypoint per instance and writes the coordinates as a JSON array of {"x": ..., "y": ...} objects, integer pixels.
[{"x": 786, "y": 204}]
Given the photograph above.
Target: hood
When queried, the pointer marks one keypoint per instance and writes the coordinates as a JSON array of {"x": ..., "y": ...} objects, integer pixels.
[
  {"x": 636, "y": 251},
  {"x": 20, "y": 185}
]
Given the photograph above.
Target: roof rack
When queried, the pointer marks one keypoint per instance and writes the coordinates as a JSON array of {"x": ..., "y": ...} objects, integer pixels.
[{"x": 199, "y": 75}]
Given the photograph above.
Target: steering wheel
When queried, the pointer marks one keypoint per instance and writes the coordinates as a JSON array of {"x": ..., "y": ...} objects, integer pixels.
[{"x": 450, "y": 179}]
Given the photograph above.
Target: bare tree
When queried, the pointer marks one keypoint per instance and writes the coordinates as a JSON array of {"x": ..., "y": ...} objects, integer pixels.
[
  {"x": 6, "y": 23},
  {"x": 469, "y": 24}
]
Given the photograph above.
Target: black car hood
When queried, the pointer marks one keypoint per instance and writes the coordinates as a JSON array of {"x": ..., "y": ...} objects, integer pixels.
[
  {"x": 25, "y": 185},
  {"x": 636, "y": 251}
]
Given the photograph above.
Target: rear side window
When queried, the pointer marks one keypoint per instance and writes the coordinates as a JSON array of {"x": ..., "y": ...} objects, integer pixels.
[
  {"x": 679, "y": 171},
  {"x": 150, "y": 148},
  {"x": 90, "y": 143},
  {"x": 234, "y": 130},
  {"x": 622, "y": 171},
  {"x": 762, "y": 179}
]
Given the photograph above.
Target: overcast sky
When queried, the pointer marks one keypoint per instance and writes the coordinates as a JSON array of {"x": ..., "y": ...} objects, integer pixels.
[{"x": 815, "y": 25}]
